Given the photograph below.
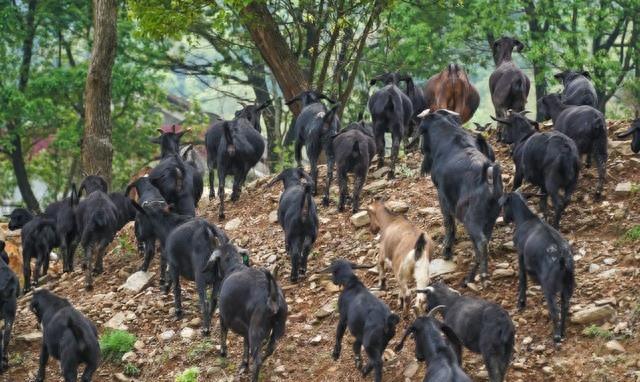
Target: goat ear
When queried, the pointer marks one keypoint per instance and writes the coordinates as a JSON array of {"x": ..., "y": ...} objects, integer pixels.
[
  {"x": 519, "y": 45},
  {"x": 160, "y": 131},
  {"x": 322, "y": 96},
  {"x": 454, "y": 340},
  {"x": 292, "y": 100},
  {"x": 586, "y": 74},
  {"x": 560, "y": 76},
  {"x": 156, "y": 140},
  {"x": 264, "y": 105},
  {"x": 212, "y": 262},
  {"x": 74, "y": 195},
  {"x": 275, "y": 180}
]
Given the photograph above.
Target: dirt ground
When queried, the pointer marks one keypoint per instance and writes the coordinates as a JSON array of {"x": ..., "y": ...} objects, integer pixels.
[{"x": 607, "y": 272}]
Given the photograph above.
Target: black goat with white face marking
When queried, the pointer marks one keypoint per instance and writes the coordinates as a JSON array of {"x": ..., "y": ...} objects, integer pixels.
[
  {"x": 438, "y": 345},
  {"x": 298, "y": 217},
  {"x": 549, "y": 160},
  {"x": 472, "y": 196},
  {"x": 482, "y": 326},
  {"x": 9, "y": 291},
  {"x": 251, "y": 304},
  {"x": 67, "y": 335},
  {"x": 368, "y": 318},
  {"x": 391, "y": 111},
  {"x": 544, "y": 255}
]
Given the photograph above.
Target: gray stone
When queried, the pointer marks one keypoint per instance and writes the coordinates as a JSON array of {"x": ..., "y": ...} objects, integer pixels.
[
  {"x": 273, "y": 216},
  {"x": 615, "y": 347},
  {"x": 502, "y": 273},
  {"x": 117, "y": 321},
  {"x": 593, "y": 268},
  {"x": 592, "y": 314},
  {"x": 439, "y": 267},
  {"x": 187, "y": 333},
  {"x": 376, "y": 185},
  {"x": 379, "y": 173},
  {"x": 325, "y": 311},
  {"x": 233, "y": 224},
  {"x": 360, "y": 219},
  {"x": 138, "y": 282},
  {"x": 30, "y": 337},
  {"x": 168, "y": 335},
  {"x": 397, "y": 206},
  {"x": 411, "y": 369},
  {"x": 316, "y": 340},
  {"x": 623, "y": 188}
]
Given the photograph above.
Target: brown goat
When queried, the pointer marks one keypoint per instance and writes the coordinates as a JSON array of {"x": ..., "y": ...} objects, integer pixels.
[
  {"x": 404, "y": 248},
  {"x": 451, "y": 89}
]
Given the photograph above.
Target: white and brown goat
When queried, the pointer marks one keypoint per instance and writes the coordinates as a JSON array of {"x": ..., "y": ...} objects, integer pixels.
[{"x": 404, "y": 248}]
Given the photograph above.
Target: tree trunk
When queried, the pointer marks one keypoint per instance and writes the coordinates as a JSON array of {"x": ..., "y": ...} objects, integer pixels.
[
  {"x": 17, "y": 160},
  {"x": 259, "y": 84},
  {"x": 274, "y": 50},
  {"x": 97, "y": 150},
  {"x": 540, "y": 85}
]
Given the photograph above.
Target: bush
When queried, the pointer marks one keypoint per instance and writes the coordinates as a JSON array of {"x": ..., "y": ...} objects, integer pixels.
[
  {"x": 594, "y": 331},
  {"x": 633, "y": 234},
  {"x": 131, "y": 370},
  {"x": 115, "y": 343},
  {"x": 189, "y": 375}
]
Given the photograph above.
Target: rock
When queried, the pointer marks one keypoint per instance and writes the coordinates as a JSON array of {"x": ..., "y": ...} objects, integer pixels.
[
  {"x": 233, "y": 224},
  {"x": 376, "y": 185},
  {"x": 316, "y": 340},
  {"x": 411, "y": 369},
  {"x": 360, "y": 219},
  {"x": 30, "y": 337},
  {"x": 379, "y": 173},
  {"x": 187, "y": 333},
  {"x": 615, "y": 347},
  {"x": 331, "y": 287},
  {"x": 527, "y": 341},
  {"x": 483, "y": 374},
  {"x": 429, "y": 211},
  {"x": 280, "y": 369},
  {"x": 195, "y": 322},
  {"x": 325, "y": 311},
  {"x": 398, "y": 207},
  {"x": 592, "y": 314},
  {"x": 138, "y": 282},
  {"x": 547, "y": 370},
  {"x": 440, "y": 267},
  {"x": 501, "y": 273},
  {"x": 129, "y": 357},
  {"x": 168, "y": 335},
  {"x": 117, "y": 321},
  {"x": 123, "y": 378},
  {"x": 139, "y": 345},
  {"x": 609, "y": 261},
  {"x": 623, "y": 188},
  {"x": 593, "y": 268},
  {"x": 273, "y": 216}
]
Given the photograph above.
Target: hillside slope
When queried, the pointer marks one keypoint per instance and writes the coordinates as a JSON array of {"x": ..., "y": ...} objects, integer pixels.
[{"x": 607, "y": 269}]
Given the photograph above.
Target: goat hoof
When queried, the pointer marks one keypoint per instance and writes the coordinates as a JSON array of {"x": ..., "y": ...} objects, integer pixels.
[
  {"x": 557, "y": 339},
  {"x": 223, "y": 353},
  {"x": 293, "y": 279},
  {"x": 336, "y": 355},
  {"x": 325, "y": 201},
  {"x": 221, "y": 216},
  {"x": 88, "y": 287},
  {"x": 206, "y": 332},
  {"x": 179, "y": 314}
]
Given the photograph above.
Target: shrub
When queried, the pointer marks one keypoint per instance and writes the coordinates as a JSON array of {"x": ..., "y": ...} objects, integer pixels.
[
  {"x": 115, "y": 343},
  {"x": 131, "y": 370},
  {"x": 189, "y": 375},
  {"x": 594, "y": 331}
]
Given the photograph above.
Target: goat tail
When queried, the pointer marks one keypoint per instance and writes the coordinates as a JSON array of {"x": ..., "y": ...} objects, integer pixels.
[
  {"x": 100, "y": 218},
  {"x": 356, "y": 149},
  {"x": 566, "y": 162},
  {"x": 272, "y": 291},
  {"x": 420, "y": 246},
  {"x": 496, "y": 173},
  {"x": 568, "y": 274},
  {"x": 305, "y": 207},
  {"x": 517, "y": 86},
  {"x": 78, "y": 335}
]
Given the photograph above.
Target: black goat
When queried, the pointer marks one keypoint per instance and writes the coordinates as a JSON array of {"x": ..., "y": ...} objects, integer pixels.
[
  {"x": 544, "y": 255},
  {"x": 472, "y": 195},
  {"x": 38, "y": 239},
  {"x": 368, "y": 318},
  {"x": 92, "y": 183},
  {"x": 482, "y": 326},
  {"x": 585, "y": 125},
  {"x": 578, "y": 89},
  {"x": 314, "y": 128},
  {"x": 215, "y": 134},
  {"x": 391, "y": 111},
  {"x": 187, "y": 244},
  {"x": 9, "y": 290},
  {"x": 239, "y": 149},
  {"x": 298, "y": 217},
  {"x": 97, "y": 223},
  {"x": 125, "y": 210},
  {"x": 63, "y": 213},
  {"x": 508, "y": 84},
  {"x": 178, "y": 181},
  {"x": 67, "y": 335},
  {"x": 148, "y": 197},
  {"x": 548, "y": 160},
  {"x": 438, "y": 345},
  {"x": 251, "y": 304},
  {"x": 635, "y": 140},
  {"x": 354, "y": 149},
  {"x": 418, "y": 103}
]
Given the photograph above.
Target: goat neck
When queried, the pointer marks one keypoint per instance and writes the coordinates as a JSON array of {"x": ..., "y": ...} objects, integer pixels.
[
  {"x": 520, "y": 212},
  {"x": 554, "y": 106},
  {"x": 383, "y": 216}
]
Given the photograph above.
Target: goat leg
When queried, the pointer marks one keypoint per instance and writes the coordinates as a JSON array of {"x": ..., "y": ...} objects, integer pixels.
[
  {"x": 44, "y": 358},
  {"x": 330, "y": 165},
  {"x": 244, "y": 366},
  {"x": 395, "y": 150},
  {"x": 522, "y": 283},
  {"x": 357, "y": 190},
  {"x": 565, "y": 296},
  {"x": 342, "y": 326},
  {"x": 221, "y": 177},
  {"x": 381, "y": 265},
  {"x": 237, "y": 187},
  {"x": 204, "y": 306},
  {"x": 223, "y": 343},
  {"x": 449, "y": 235},
  {"x": 256, "y": 337},
  {"x": 26, "y": 272},
  {"x": 177, "y": 293},
  {"x": 212, "y": 190},
  {"x": 550, "y": 296},
  {"x": 357, "y": 355},
  {"x": 380, "y": 146},
  {"x": 298, "y": 153},
  {"x": 88, "y": 271},
  {"x": 344, "y": 189},
  {"x": 4, "y": 344},
  {"x": 602, "y": 174},
  {"x": 100, "y": 250}
]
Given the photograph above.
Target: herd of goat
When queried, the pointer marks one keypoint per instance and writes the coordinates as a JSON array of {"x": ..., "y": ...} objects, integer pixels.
[{"x": 251, "y": 303}]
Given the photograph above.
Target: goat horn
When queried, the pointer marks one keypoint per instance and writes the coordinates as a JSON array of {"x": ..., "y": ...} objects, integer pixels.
[
  {"x": 502, "y": 120},
  {"x": 160, "y": 131},
  {"x": 429, "y": 289},
  {"x": 435, "y": 310},
  {"x": 328, "y": 269},
  {"x": 628, "y": 132},
  {"x": 424, "y": 113},
  {"x": 524, "y": 112},
  {"x": 356, "y": 266},
  {"x": 450, "y": 112}
]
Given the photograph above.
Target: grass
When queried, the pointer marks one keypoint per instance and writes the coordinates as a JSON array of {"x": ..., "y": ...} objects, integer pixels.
[
  {"x": 633, "y": 234},
  {"x": 594, "y": 331},
  {"x": 189, "y": 375},
  {"x": 131, "y": 370},
  {"x": 199, "y": 349},
  {"x": 115, "y": 343}
]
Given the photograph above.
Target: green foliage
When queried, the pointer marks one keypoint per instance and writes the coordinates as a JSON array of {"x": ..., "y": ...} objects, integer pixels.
[
  {"x": 189, "y": 375},
  {"x": 115, "y": 343},
  {"x": 633, "y": 234},
  {"x": 595, "y": 331},
  {"x": 199, "y": 349},
  {"x": 131, "y": 370}
]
